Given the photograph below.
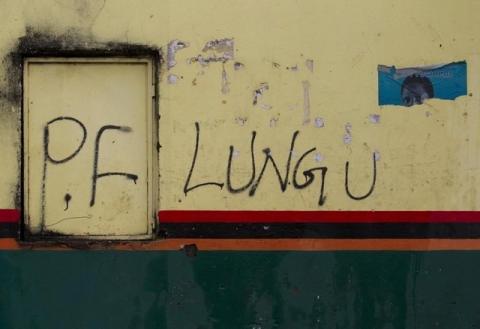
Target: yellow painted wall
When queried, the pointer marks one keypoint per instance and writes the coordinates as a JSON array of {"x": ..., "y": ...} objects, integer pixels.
[{"x": 429, "y": 154}]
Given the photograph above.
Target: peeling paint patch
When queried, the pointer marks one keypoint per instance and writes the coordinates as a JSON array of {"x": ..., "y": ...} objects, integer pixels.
[
  {"x": 238, "y": 66},
  {"x": 257, "y": 93},
  {"x": 309, "y": 64},
  {"x": 274, "y": 121},
  {"x": 241, "y": 120},
  {"x": 347, "y": 137},
  {"x": 318, "y": 157},
  {"x": 374, "y": 118},
  {"x": 223, "y": 46},
  {"x": 173, "y": 47},
  {"x": 219, "y": 50},
  {"x": 319, "y": 122},
  {"x": 306, "y": 102},
  {"x": 191, "y": 250},
  {"x": 172, "y": 79},
  {"x": 225, "y": 83},
  {"x": 205, "y": 61}
]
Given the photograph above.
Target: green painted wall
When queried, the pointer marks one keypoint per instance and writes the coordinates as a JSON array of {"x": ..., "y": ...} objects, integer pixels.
[{"x": 247, "y": 290}]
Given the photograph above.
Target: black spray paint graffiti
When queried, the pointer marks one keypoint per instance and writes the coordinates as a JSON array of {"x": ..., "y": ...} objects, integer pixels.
[
  {"x": 254, "y": 181},
  {"x": 95, "y": 176}
]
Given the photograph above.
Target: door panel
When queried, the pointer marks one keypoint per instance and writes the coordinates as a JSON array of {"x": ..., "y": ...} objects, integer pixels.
[{"x": 88, "y": 147}]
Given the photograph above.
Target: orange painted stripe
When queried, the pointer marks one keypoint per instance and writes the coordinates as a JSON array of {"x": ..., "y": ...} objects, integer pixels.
[{"x": 257, "y": 245}]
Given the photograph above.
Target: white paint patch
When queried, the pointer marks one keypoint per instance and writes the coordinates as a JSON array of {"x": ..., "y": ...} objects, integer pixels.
[
  {"x": 235, "y": 153},
  {"x": 376, "y": 155},
  {"x": 374, "y": 118},
  {"x": 226, "y": 47},
  {"x": 257, "y": 93},
  {"x": 173, "y": 47},
  {"x": 241, "y": 121},
  {"x": 319, "y": 122},
  {"x": 220, "y": 50},
  {"x": 172, "y": 79},
  {"x": 347, "y": 137},
  {"x": 225, "y": 82},
  {"x": 309, "y": 64},
  {"x": 203, "y": 61},
  {"x": 273, "y": 122},
  {"x": 306, "y": 102},
  {"x": 318, "y": 157},
  {"x": 348, "y": 127},
  {"x": 238, "y": 66}
]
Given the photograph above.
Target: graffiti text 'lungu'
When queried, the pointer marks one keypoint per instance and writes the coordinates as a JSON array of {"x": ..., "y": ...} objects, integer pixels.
[{"x": 309, "y": 175}]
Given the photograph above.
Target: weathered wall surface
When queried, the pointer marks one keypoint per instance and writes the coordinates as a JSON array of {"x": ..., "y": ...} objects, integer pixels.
[
  {"x": 225, "y": 290},
  {"x": 280, "y": 67},
  {"x": 303, "y": 70}
]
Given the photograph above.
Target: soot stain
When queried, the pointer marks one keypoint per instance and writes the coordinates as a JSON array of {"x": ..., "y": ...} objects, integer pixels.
[{"x": 71, "y": 43}]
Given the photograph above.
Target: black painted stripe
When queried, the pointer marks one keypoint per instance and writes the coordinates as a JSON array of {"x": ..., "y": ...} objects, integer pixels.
[
  {"x": 8, "y": 230},
  {"x": 320, "y": 230}
]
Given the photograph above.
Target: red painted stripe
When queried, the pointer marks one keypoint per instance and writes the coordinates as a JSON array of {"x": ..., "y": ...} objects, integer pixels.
[
  {"x": 241, "y": 216},
  {"x": 9, "y": 215},
  {"x": 267, "y": 216}
]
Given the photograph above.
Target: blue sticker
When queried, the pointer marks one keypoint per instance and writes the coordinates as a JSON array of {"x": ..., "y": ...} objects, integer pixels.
[{"x": 410, "y": 86}]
